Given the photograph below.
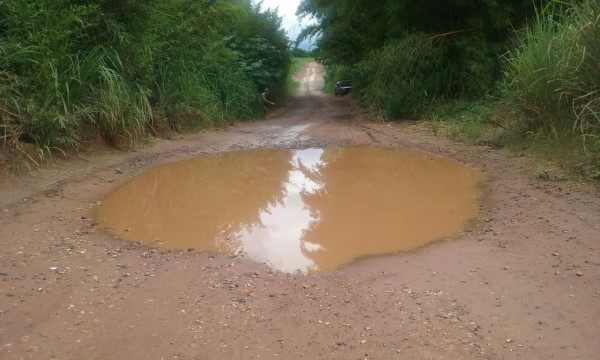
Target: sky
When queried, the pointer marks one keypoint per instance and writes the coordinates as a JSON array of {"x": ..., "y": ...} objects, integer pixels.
[{"x": 290, "y": 23}]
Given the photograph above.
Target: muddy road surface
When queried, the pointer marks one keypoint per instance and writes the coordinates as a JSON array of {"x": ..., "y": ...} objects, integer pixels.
[{"x": 522, "y": 282}]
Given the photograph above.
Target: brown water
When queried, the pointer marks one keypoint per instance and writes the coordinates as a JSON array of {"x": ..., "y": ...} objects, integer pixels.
[{"x": 297, "y": 210}]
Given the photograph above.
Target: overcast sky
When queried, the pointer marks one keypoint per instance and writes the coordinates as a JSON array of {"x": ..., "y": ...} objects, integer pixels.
[{"x": 287, "y": 11}]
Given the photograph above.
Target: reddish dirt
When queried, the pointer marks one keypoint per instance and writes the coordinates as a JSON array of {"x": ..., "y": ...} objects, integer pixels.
[{"x": 523, "y": 283}]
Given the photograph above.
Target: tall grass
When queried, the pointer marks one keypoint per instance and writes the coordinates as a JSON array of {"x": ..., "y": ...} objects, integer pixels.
[
  {"x": 549, "y": 98},
  {"x": 553, "y": 73},
  {"x": 76, "y": 94},
  {"x": 192, "y": 97},
  {"x": 185, "y": 101},
  {"x": 120, "y": 111},
  {"x": 551, "y": 85},
  {"x": 49, "y": 77},
  {"x": 71, "y": 71}
]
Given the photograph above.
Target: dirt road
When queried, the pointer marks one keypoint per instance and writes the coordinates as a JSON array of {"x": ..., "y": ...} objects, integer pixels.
[{"x": 522, "y": 284}]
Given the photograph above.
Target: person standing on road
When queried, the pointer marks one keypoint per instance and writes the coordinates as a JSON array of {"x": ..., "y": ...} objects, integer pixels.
[{"x": 266, "y": 101}]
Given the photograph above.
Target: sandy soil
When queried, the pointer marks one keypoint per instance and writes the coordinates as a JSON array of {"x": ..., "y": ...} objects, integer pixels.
[{"x": 524, "y": 283}]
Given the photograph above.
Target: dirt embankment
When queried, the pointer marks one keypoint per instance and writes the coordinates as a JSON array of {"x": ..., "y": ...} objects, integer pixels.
[{"x": 523, "y": 283}]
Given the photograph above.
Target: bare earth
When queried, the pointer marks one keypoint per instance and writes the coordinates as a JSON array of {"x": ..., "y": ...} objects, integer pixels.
[{"x": 524, "y": 283}]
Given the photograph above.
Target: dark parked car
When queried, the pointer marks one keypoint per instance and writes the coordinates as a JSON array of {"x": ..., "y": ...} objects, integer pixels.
[{"x": 343, "y": 87}]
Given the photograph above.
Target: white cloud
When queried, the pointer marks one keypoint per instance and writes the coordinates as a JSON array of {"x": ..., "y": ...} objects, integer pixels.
[{"x": 287, "y": 11}]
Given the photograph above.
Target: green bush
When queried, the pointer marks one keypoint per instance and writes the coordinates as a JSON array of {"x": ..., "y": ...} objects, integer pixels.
[
  {"x": 404, "y": 78},
  {"x": 213, "y": 95}
]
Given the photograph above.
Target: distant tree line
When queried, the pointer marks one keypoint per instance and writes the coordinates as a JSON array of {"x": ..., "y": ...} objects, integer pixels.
[{"x": 302, "y": 53}]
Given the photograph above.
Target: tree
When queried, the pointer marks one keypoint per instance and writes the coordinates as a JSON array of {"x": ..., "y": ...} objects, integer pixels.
[{"x": 472, "y": 33}]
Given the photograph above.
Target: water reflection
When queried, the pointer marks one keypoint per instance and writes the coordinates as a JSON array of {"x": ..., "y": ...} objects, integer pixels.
[
  {"x": 308, "y": 210},
  {"x": 279, "y": 237}
]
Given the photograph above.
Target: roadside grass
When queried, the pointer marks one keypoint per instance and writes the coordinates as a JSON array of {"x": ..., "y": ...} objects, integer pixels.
[
  {"x": 74, "y": 72},
  {"x": 565, "y": 157},
  {"x": 558, "y": 156},
  {"x": 474, "y": 122},
  {"x": 292, "y": 84},
  {"x": 552, "y": 75}
]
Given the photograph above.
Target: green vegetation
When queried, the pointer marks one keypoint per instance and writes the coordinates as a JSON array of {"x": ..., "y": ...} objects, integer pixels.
[
  {"x": 453, "y": 46},
  {"x": 404, "y": 77},
  {"x": 73, "y": 70},
  {"x": 463, "y": 65},
  {"x": 301, "y": 53},
  {"x": 297, "y": 62},
  {"x": 553, "y": 73}
]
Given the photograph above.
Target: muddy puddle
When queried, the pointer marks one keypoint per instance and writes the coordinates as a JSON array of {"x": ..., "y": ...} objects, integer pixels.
[{"x": 298, "y": 210}]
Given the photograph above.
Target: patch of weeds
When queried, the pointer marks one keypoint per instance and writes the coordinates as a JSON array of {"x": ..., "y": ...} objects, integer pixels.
[
  {"x": 148, "y": 140},
  {"x": 170, "y": 134},
  {"x": 550, "y": 174},
  {"x": 474, "y": 122},
  {"x": 435, "y": 125},
  {"x": 590, "y": 172},
  {"x": 568, "y": 154},
  {"x": 25, "y": 156},
  {"x": 560, "y": 154}
]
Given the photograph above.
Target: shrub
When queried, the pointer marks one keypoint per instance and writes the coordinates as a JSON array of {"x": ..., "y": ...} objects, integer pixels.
[{"x": 404, "y": 78}]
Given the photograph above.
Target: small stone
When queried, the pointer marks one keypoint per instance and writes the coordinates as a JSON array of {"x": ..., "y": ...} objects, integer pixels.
[
  {"x": 363, "y": 341},
  {"x": 507, "y": 268},
  {"x": 508, "y": 341},
  {"x": 579, "y": 273}
]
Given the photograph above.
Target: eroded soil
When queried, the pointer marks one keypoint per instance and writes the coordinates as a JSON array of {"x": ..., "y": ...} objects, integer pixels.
[{"x": 523, "y": 283}]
